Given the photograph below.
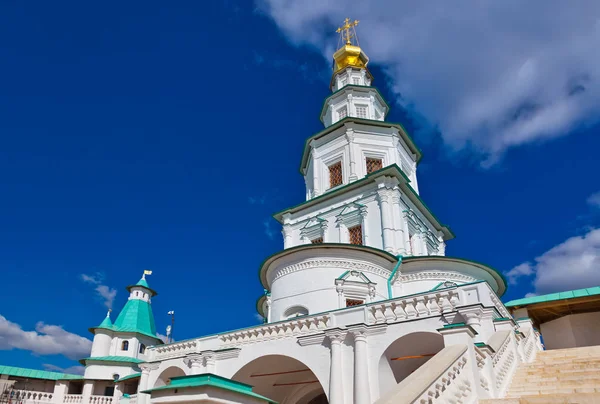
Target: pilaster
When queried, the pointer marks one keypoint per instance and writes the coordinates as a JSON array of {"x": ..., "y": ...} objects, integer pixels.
[
  {"x": 362, "y": 393},
  {"x": 146, "y": 368},
  {"x": 352, "y": 153},
  {"x": 384, "y": 196},
  {"x": 400, "y": 235},
  {"x": 336, "y": 386}
]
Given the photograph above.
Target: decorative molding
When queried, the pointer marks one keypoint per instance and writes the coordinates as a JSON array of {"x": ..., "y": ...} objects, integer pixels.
[
  {"x": 341, "y": 264},
  {"x": 315, "y": 339},
  {"x": 430, "y": 275},
  {"x": 175, "y": 350},
  {"x": 148, "y": 367}
]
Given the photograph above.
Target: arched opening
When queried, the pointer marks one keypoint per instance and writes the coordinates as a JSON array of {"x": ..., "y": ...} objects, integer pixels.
[
  {"x": 405, "y": 355},
  {"x": 166, "y": 375},
  {"x": 142, "y": 348},
  {"x": 295, "y": 311},
  {"x": 282, "y": 379}
]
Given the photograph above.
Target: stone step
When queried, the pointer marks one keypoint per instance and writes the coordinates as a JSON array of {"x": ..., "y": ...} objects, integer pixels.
[
  {"x": 595, "y": 382},
  {"x": 532, "y": 390},
  {"x": 577, "y": 398},
  {"x": 566, "y": 367}
]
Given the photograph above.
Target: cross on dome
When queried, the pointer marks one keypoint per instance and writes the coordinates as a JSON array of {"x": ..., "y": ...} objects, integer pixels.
[{"x": 347, "y": 31}]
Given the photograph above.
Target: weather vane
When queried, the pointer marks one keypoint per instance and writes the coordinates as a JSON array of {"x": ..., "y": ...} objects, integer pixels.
[{"x": 348, "y": 31}]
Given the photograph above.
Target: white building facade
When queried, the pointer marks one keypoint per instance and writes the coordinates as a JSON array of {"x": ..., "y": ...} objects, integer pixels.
[{"x": 361, "y": 296}]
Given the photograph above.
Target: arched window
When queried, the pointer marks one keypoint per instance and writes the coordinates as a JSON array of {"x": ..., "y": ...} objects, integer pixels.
[
  {"x": 142, "y": 348},
  {"x": 295, "y": 311},
  {"x": 125, "y": 346}
]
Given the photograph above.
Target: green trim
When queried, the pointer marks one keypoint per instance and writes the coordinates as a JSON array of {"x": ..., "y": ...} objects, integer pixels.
[
  {"x": 571, "y": 294},
  {"x": 402, "y": 131},
  {"x": 36, "y": 374},
  {"x": 458, "y": 325},
  {"x": 404, "y": 184},
  {"x": 117, "y": 359},
  {"x": 132, "y": 376},
  {"x": 389, "y": 280},
  {"x": 342, "y": 275},
  {"x": 350, "y": 87},
  {"x": 272, "y": 257},
  {"x": 500, "y": 275},
  {"x": 523, "y": 319},
  {"x": 209, "y": 380},
  {"x": 503, "y": 319}
]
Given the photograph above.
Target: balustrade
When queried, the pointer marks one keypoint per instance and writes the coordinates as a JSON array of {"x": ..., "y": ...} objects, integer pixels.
[
  {"x": 27, "y": 396},
  {"x": 73, "y": 399},
  {"x": 101, "y": 400}
]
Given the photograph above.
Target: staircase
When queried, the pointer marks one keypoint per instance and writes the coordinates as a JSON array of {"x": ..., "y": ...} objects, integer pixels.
[{"x": 558, "y": 376}]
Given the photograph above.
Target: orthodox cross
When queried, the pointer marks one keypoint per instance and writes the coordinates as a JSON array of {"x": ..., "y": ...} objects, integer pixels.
[{"x": 345, "y": 30}]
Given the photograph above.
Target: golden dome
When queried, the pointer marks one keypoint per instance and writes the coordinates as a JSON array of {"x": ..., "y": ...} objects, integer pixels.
[{"x": 349, "y": 56}]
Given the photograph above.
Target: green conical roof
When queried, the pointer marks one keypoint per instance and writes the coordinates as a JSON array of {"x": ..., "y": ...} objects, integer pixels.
[
  {"x": 106, "y": 323},
  {"x": 136, "y": 316}
]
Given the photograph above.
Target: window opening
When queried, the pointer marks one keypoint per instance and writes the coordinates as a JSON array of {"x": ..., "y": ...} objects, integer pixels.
[
  {"x": 335, "y": 174},
  {"x": 355, "y": 234},
  {"x": 373, "y": 165},
  {"x": 354, "y": 302},
  {"x": 125, "y": 346},
  {"x": 342, "y": 112},
  {"x": 361, "y": 111},
  {"x": 142, "y": 348},
  {"x": 355, "y": 81},
  {"x": 318, "y": 240}
]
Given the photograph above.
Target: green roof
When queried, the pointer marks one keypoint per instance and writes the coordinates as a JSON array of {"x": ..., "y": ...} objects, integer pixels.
[
  {"x": 122, "y": 359},
  {"x": 37, "y": 374},
  {"x": 571, "y": 294},
  {"x": 209, "y": 380},
  {"x": 106, "y": 323},
  {"x": 132, "y": 376},
  {"x": 136, "y": 316}
]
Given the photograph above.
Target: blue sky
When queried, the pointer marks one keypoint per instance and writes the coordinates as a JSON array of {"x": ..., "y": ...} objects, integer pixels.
[{"x": 163, "y": 136}]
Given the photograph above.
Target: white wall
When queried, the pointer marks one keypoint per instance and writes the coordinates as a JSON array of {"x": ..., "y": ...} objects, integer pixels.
[{"x": 574, "y": 330}]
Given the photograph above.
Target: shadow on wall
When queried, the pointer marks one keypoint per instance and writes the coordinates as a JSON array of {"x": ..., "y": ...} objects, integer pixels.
[
  {"x": 282, "y": 379},
  {"x": 167, "y": 374},
  {"x": 405, "y": 355}
]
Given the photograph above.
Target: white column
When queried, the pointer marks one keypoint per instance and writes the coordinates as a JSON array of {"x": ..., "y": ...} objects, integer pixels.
[
  {"x": 146, "y": 369},
  {"x": 269, "y": 302},
  {"x": 384, "y": 196},
  {"x": 361, "y": 368},
  {"x": 407, "y": 247},
  {"x": 210, "y": 362},
  {"x": 365, "y": 231},
  {"x": 324, "y": 227},
  {"x": 287, "y": 236},
  {"x": 352, "y": 153},
  {"x": 60, "y": 389},
  {"x": 400, "y": 235},
  {"x": 336, "y": 387},
  {"x": 315, "y": 172},
  {"x": 343, "y": 232}
]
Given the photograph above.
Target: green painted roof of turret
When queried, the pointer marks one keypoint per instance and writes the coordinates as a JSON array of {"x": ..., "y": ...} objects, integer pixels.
[
  {"x": 136, "y": 316},
  {"x": 106, "y": 323}
]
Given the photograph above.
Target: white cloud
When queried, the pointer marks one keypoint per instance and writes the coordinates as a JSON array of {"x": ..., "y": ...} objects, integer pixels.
[
  {"x": 489, "y": 75},
  {"x": 594, "y": 200},
  {"x": 573, "y": 264},
  {"x": 73, "y": 370},
  {"x": 45, "y": 340},
  {"x": 524, "y": 269},
  {"x": 105, "y": 292}
]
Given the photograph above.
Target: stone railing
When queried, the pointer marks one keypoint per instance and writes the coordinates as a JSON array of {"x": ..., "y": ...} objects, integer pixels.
[
  {"x": 133, "y": 399},
  {"x": 292, "y": 328},
  {"x": 72, "y": 398},
  {"x": 530, "y": 346},
  {"x": 414, "y": 306},
  {"x": 101, "y": 400},
  {"x": 27, "y": 397},
  {"x": 445, "y": 378},
  {"x": 504, "y": 361}
]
